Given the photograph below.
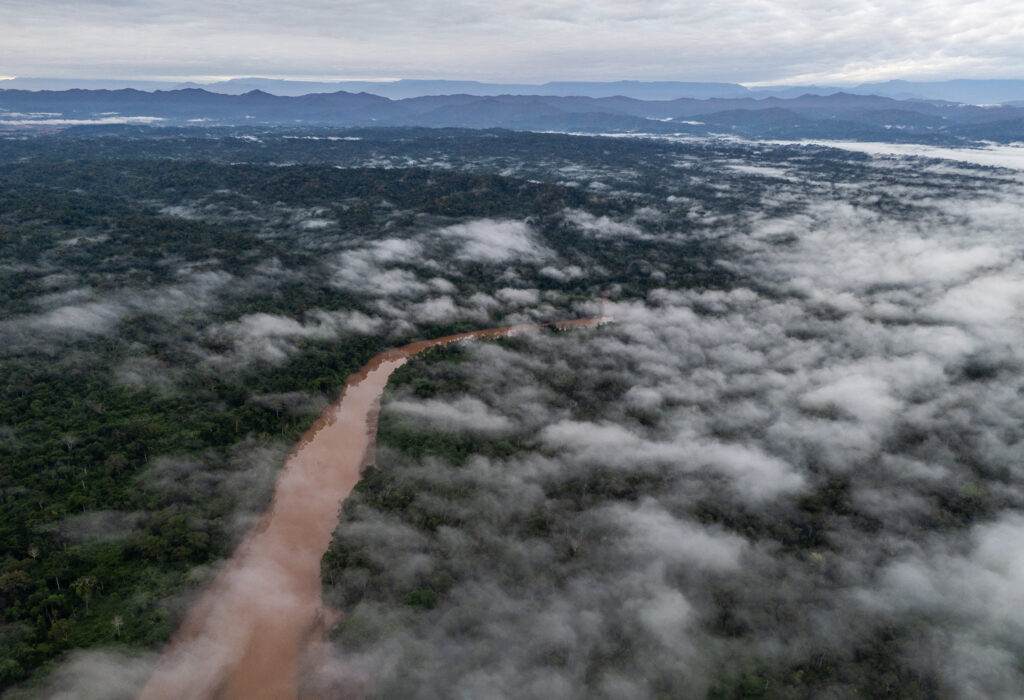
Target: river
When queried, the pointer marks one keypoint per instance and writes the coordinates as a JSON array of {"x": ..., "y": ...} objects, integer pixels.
[{"x": 262, "y": 618}]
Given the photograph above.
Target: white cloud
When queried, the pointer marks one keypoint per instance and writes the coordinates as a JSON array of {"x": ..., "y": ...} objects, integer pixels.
[
  {"x": 96, "y": 313},
  {"x": 270, "y": 337},
  {"x": 978, "y": 593},
  {"x": 1006, "y": 156},
  {"x": 365, "y": 269},
  {"x": 992, "y": 299},
  {"x": 860, "y": 397},
  {"x": 465, "y": 415},
  {"x": 434, "y": 310},
  {"x": 739, "y": 40},
  {"x": 518, "y": 297},
  {"x": 92, "y": 317},
  {"x": 493, "y": 240},
  {"x": 603, "y": 226},
  {"x": 569, "y": 272},
  {"x": 98, "y": 675},
  {"x": 756, "y": 475},
  {"x": 653, "y": 534},
  {"x": 863, "y": 391}
]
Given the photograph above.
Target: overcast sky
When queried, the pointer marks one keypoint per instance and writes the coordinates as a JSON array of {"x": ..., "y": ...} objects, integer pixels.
[{"x": 793, "y": 41}]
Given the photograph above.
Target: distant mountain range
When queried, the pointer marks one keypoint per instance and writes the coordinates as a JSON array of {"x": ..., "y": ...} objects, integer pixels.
[
  {"x": 977, "y": 92},
  {"x": 835, "y": 116},
  {"x": 400, "y": 89}
]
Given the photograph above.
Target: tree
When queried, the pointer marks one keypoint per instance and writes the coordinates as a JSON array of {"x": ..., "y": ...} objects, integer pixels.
[
  {"x": 83, "y": 587},
  {"x": 69, "y": 440}
]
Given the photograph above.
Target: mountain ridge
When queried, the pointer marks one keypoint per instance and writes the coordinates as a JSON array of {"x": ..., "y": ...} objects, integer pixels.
[
  {"x": 837, "y": 115},
  {"x": 970, "y": 91}
]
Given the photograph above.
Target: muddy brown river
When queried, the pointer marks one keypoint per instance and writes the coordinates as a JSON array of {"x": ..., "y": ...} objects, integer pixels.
[{"x": 262, "y": 621}]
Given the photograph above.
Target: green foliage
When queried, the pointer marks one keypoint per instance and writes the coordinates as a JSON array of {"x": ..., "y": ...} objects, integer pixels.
[
  {"x": 83, "y": 444},
  {"x": 421, "y": 598},
  {"x": 123, "y": 213},
  {"x": 875, "y": 668}
]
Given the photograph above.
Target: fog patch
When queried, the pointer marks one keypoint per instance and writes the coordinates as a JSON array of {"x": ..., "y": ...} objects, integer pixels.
[
  {"x": 564, "y": 274},
  {"x": 97, "y": 675},
  {"x": 464, "y": 416},
  {"x": 369, "y": 269},
  {"x": 603, "y": 226},
  {"x": 99, "y": 525},
  {"x": 96, "y": 313},
  {"x": 272, "y": 337},
  {"x": 90, "y": 318},
  {"x": 973, "y": 595},
  {"x": 495, "y": 240},
  {"x": 761, "y": 170},
  {"x": 817, "y": 469},
  {"x": 296, "y": 403},
  {"x": 518, "y": 297},
  {"x": 148, "y": 373},
  {"x": 244, "y": 473},
  {"x": 436, "y": 310},
  {"x": 653, "y": 534},
  {"x": 64, "y": 298}
]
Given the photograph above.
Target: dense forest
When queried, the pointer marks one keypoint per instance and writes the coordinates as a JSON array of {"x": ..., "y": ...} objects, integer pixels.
[
  {"x": 485, "y": 520},
  {"x": 178, "y": 305},
  {"x": 142, "y": 420}
]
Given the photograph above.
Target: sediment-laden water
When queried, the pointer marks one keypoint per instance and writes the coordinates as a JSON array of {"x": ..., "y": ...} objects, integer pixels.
[{"x": 252, "y": 633}]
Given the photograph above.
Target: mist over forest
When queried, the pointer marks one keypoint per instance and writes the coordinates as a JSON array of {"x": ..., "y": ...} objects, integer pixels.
[
  {"x": 805, "y": 484},
  {"x": 790, "y": 467}
]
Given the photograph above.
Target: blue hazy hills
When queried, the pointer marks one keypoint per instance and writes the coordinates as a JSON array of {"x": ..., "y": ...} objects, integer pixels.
[
  {"x": 978, "y": 92},
  {"x": 744, "y": 113}
]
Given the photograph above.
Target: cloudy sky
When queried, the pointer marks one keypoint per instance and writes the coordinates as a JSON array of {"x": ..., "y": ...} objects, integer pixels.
[{"x": 518, "y": 40}]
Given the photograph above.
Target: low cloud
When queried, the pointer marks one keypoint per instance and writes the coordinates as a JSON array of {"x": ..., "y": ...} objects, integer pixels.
[
  {"x": 518, "y": 297},
  {"x": 972, "y": 595},
  {"x": 463, "y": 416},
  {"x": 363, "y": 269},
  {"x": 101, "y": 313},
  {"x": 98, "y": 675},
  {"x": 271, "y": 337},
  {"x": 603, "y": 226},
  {"x": 90, "y": 318},
  {"x": 791, "y": 474},
  {"x": 99, "y": 525},
  {"x": 493, "y": 240},
  {"x": 652, "y": 533}
]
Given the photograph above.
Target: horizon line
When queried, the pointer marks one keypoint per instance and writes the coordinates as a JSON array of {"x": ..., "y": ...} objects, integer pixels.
[{"x": 213, "y": 80}]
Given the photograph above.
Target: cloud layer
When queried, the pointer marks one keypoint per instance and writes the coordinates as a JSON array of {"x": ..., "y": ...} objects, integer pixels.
[
  {"x": 838, "y": 40},
  {"x": 815, "y": 475}
]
